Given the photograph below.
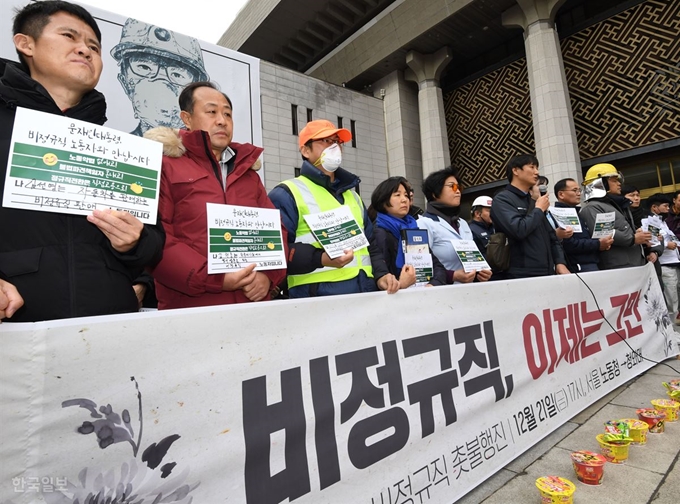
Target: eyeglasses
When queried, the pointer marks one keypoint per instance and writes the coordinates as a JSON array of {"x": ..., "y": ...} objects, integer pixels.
[
  {"x": 149, "y": 68},
  {"x": 454, "y": 186},
  {"x": 576, "y": 190},
  {"x": 330, "y": 141}
]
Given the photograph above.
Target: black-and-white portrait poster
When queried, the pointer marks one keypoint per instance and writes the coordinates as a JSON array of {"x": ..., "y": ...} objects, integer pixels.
[{"x": 146, "y": 66}]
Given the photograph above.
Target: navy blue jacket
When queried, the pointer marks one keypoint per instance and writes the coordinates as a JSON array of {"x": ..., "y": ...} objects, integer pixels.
[
  {"x": 304, "y": 257},
  {"x": 580, "y": 248},
  {"x": 481, "y": 233}
]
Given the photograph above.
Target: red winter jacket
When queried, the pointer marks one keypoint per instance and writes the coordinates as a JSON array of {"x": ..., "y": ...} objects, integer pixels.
[{"x": 188, "y": 182}]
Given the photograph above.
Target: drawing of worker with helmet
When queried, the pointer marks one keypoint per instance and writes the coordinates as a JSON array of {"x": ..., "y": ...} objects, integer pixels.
[{"x": 155, "y": 65}]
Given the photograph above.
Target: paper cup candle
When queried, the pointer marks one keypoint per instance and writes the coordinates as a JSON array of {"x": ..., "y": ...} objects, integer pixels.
[
  {"x": 589, "y": 466},
  {"x": 555, "y": 490},
  {"x": 668, "y": 406}
]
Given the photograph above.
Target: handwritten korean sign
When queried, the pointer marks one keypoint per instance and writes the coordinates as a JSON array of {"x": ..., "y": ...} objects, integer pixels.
[
  {"x": 470, "y": 256},
  {"x": 337, "y": 231},
  {"x": 59, "y": 164},
  {"x": 239, "y": 236}
]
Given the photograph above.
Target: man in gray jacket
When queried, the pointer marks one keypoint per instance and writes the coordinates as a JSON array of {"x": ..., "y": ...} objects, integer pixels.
[{"x": 603, "y": 195}]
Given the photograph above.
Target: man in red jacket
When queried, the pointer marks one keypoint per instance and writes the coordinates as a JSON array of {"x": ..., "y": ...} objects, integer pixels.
[{"x": 202, "y": 165}]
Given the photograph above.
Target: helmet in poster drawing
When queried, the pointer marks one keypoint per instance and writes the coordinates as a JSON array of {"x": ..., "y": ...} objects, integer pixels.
[
  {"x": 596, "y": 181},
  {"x": 155, "y": 64}
]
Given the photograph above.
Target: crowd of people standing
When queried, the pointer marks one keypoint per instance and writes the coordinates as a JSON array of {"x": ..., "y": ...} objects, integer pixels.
[{"x": 93, "y": 262}]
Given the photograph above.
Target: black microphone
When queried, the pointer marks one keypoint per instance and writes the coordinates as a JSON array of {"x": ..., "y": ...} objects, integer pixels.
[{"x": 543, "y": 190}]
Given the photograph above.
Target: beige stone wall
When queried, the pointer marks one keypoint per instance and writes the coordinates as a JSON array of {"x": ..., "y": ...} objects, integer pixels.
[{"x": 281, "y": 87}]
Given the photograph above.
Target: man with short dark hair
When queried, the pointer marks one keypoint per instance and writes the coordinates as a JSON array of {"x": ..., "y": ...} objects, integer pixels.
[
  {"x": 637, "y": 211},
  {"x": 534, "y": 248},
  {"x": 202, "y": 165},
  {"x": 63, "y": 265},
  {"x": 582, "y": 252}
]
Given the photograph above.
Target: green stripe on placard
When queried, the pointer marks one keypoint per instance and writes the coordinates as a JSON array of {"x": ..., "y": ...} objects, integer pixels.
[
  {"x": 336, "y": 238},
  {"x": 46, "y": 176},
  {"x": 242, "y": 241},
  {"x": 260, "y": 247},
  {"x": 252, "y": 233},
  {"x": 37, "y": 152},
  {"x": 23, "y": 161}
]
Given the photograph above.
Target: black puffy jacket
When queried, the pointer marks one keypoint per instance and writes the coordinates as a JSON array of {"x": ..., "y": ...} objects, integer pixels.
[{"x": 62, "y": 265}]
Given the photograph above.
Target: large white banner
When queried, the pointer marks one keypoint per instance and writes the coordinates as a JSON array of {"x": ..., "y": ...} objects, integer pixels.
[{"x": 370, "y": 398}]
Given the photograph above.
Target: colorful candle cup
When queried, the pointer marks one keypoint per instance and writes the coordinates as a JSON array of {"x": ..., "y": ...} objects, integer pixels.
[
  {"x": 615, "y": 452},
  {"x": 638, "y": 430},
  {"x": 555, "y": 490},
  {"x": 668, "y": 406},
  {"x": 654, "y": 418},
  {"x": 589, "y": 466}
]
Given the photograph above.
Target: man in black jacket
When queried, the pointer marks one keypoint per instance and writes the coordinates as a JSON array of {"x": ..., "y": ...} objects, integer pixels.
[
  {"x": 534, "y": 248},
  {"x": 64, "y": 265},
  {"x": 582, "y": 252}
]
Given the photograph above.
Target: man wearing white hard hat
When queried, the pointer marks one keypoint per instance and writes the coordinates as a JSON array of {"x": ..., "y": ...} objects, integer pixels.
[
  {"x": 602, "y": 192},
  {"x": 481, "y": 224}
]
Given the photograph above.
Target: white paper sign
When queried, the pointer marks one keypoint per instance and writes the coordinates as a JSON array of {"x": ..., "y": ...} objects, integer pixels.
[
  {"x": 653, "y": 224},
  {"x": 63, "y": 165},
  {"x": 469, "y": 255},
  {"x": 422, "y": 263},
  {"x": 337, "y": 230},
  {"x": 604, "y": 225},
  {"x": 239, "y": 236},
  {"x": 566, "y": 217}
]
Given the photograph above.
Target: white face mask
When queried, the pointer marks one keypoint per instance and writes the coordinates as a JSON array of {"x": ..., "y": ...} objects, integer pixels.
[{"x": 331, "y": 158}]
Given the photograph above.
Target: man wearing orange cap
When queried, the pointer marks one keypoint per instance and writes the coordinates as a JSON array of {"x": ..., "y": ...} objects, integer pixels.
[{"x": 321, "y": 187}]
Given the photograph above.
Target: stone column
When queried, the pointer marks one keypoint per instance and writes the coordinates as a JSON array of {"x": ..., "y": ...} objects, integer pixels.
[
  {"x": 402, "y": 129},
  {"x": 554, "y": 132},
  {"x": 425, "y": 70}
]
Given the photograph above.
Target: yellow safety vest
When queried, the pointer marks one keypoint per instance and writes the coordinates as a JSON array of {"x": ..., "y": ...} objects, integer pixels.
[{"x": 311, "y": 198}]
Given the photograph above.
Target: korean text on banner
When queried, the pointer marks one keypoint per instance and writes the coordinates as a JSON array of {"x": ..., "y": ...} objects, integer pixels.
[{"x": 316, "y": 401}]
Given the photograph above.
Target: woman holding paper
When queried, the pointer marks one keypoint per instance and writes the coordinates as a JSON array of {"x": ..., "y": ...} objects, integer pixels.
[
  {"x": 450, "y": 237},
  {"x": 392, "y": 203}
]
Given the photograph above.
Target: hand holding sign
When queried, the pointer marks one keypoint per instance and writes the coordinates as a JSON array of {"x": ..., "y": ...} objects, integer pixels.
[
  {"x": 462, "y": 276},
  {"x": 484, "y": 275},
  {"x": 642, "y": 237},
  {"x": 258, "y": 289},
  {"x": 388, "y": 283},
  {"x": 339, "y": 262},
  {"x": 122, "y": 229},
  {"x": 237, "y": 279},
  {"x": 565, "y": 233},
  {"x": 606, "y": 242},
  {"x": 407, "y": 276},
  {"x": 10, "y": 300}
]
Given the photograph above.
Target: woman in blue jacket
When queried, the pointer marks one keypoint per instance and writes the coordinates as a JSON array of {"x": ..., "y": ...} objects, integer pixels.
[
  {"x": 442, "y": 190},
  {"x": 392, "y": 203}
]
